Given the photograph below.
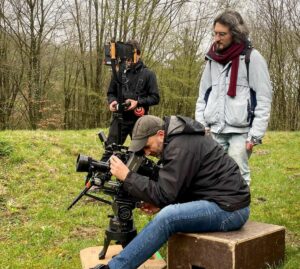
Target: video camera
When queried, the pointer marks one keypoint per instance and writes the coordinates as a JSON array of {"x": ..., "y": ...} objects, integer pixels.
[
  {"x": 121, "y": 226},
  {"x": 116, "y": 52}
]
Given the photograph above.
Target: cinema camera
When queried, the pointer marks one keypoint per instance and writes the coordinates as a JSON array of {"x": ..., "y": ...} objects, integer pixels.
[
  {"x": 117, "y": 52},
  {"x": 121, "y": 226}
]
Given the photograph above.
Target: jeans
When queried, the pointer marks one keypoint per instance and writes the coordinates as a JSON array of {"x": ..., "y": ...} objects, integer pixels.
[
  {"x": 235, "y": 145},
  {"x": 196, "y": 216}
]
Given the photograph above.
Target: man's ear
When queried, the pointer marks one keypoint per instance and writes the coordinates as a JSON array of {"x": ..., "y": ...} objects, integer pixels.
[{"x": 161, "y": 133}]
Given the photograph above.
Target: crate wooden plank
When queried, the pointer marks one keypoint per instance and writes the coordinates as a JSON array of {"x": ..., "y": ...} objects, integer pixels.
[{"x": 89, "y": 258}]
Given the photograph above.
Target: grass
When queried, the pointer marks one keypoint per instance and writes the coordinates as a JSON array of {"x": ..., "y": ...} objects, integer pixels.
[{"x": 38, "y": 181}]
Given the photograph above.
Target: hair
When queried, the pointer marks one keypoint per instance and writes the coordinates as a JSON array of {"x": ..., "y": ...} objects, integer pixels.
[
  {"x": 236, "y": 24},
  {"x": 135, "y": 44}
]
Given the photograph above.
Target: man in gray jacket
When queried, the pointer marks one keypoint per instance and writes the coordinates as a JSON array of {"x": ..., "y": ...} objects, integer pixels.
[
  {"x": 235, "y": 92},
  {"x": 199, "y": 187}
]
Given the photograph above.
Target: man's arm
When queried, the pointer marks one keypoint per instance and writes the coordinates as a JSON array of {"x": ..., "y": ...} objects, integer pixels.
[
  {"x": 205, "y": 84},
  {"x": 151, "y": 88},
  {"x": 174, "y": 177},
  {"x": 259, "y": 81}
]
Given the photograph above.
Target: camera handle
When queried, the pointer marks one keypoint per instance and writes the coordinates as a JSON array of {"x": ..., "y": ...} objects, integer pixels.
[{"x": 89, "y": 183}]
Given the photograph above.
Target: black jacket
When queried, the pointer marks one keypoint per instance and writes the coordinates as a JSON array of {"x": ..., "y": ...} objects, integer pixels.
[
  {"x": 195, "y": 167},
  {"x": 141, "y": 86}
]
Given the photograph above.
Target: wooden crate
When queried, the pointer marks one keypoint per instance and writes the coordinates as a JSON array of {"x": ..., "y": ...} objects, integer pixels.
[{"x": 255, "y": 246}]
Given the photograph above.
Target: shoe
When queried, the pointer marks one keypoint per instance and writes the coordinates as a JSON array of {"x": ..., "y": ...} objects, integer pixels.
[{"x": 100, "y": 266}]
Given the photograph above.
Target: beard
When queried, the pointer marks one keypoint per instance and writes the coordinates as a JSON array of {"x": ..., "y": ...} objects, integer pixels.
[{"x": 220, "y": 47}]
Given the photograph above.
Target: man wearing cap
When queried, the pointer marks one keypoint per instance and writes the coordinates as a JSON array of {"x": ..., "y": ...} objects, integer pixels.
[{"x": 199, "y": 187}]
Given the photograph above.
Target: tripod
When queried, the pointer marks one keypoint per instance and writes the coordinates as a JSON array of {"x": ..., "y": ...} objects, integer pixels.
[{"x": 121, "y": 227}]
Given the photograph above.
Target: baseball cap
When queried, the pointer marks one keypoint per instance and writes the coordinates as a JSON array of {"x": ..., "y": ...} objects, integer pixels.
[{"x": 145, "y": 127}]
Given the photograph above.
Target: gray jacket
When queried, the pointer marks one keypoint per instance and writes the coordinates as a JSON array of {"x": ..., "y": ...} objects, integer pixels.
[{"x": 247, "y": 112}]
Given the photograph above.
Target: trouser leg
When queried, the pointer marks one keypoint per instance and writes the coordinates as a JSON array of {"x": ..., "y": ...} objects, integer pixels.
[
  {"x": 113, "y": 135},
  {"x": 237, "y": 150},
  {"x": 197, "y": 216},
  {"x": 235, "y": 145}
]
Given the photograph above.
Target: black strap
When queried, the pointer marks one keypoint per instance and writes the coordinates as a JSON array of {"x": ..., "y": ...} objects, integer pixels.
[{"x": 247, "y": 60}]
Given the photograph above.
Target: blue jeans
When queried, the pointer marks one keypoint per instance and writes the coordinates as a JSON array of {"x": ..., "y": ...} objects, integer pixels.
[
  {"x": 197, "y": 216},
  {"x": 235, "y": 145}
]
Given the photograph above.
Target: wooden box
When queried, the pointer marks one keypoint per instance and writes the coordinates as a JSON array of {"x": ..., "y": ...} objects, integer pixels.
[
  {"x": 255, "y": 246},
  {"x": 89, "y": 258}
]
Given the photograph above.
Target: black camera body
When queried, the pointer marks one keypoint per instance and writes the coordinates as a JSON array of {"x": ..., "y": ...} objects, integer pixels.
[{"x": 118, "y": 51}]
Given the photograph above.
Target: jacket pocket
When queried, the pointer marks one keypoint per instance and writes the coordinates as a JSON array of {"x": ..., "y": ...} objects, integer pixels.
[
  {"x": 237, "y": 108},
  {"x": 211, "y": 112}
]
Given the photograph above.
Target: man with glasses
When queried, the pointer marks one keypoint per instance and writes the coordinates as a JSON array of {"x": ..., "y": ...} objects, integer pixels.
[
  {"x": 199, "y": 187},
  {"x": 235, "y": 91}
]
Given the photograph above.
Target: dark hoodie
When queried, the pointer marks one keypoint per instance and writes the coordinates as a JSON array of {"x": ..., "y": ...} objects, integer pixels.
[{"x": 194, "y": 167}]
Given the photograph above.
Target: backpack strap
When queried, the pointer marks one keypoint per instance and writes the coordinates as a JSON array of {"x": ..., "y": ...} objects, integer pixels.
[{"x": 247, "y": 59}]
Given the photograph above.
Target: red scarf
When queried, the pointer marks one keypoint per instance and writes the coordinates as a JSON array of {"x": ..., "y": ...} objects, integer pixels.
[{"x": 232, "y": 53}]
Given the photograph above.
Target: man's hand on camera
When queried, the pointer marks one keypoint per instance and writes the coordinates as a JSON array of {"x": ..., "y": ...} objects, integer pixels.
[
  {"x": 133, "y": 104},
  {"x": 149, "y": 208},
  {"x": 113, "y": 106},
  {"x": 118, "y": 168},
  {"x": 207, "y": 130}
]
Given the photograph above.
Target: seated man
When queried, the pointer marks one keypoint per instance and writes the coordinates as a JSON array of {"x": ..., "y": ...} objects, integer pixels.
[{"x": 199, "y": 187}]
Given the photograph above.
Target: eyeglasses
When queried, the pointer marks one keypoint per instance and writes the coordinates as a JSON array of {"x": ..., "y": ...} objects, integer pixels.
[{"x": 220, "y": 34}]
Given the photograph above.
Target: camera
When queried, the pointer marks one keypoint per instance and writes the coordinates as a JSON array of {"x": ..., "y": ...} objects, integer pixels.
[
  {"x": 116, "y": 52},
  {"x": 121, "y": 225}
]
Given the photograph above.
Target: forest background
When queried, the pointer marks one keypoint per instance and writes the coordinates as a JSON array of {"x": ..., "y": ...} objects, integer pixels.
[{"x": 51, "y": 56}]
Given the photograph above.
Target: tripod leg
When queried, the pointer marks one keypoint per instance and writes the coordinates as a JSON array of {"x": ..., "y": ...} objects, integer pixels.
[{"x": 105, "y": 247}]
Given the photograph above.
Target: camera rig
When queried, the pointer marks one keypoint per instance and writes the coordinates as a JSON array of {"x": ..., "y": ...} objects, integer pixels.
[
  {"x": 121, "y": 225},
  {"x": 117, "y": 52},
  {"x": 117, "y": 55}
]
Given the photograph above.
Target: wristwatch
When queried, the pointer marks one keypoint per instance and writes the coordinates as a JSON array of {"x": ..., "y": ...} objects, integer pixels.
[{"x": 254, "y": 140}]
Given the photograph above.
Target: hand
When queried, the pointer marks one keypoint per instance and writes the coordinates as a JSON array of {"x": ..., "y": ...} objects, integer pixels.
[
  {"x": 118, "y": 168},
  {"x": 249, "y": 145},
  {"x": 113, "y": 106},
  {"x": 149, "y": 208},
  {"x": 133, "y": 104},
  {"x": 207, "y": 131}
]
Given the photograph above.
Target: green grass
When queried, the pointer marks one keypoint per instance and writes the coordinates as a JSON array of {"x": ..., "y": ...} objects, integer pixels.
[{"x": 38, "y": 181}]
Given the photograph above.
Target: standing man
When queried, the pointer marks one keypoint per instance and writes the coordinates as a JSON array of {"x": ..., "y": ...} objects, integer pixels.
[
  {"x": 199, "y": 187},
  {"x": 235, "y": 92},
  {"x": 140, "y": 91}
]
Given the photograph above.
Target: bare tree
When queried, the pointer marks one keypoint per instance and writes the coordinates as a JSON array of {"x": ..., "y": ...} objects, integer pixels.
[
  {"x": 10, "y": 75},
  {"x": 275, "y": 37},
  {"x": 29, "y": 24}
]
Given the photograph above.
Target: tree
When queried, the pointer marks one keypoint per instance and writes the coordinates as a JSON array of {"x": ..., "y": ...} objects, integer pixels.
[
  {"x": 30, "y": 24},
  {"x": 10, "y": 77},
  {"x": 273, "y": 35}
]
